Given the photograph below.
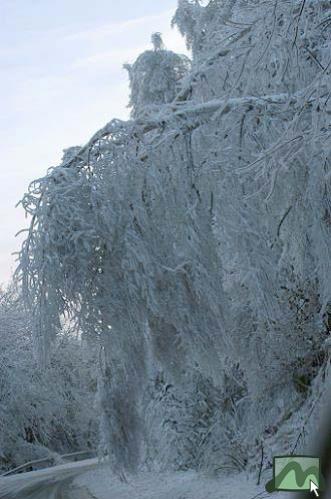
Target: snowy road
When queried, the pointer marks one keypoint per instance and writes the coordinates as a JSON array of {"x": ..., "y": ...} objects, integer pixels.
[
  {"x": 89, "y": 480},
  {"x": 50, "y": 483},
  {"x": 101, "y": 484}
]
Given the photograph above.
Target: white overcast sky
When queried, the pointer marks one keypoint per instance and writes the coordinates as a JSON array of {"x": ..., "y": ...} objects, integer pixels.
[{"x": 61, "y": 80}]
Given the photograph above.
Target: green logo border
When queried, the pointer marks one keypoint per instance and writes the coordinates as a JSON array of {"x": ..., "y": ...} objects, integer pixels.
[{"x": 270, "y": 486}]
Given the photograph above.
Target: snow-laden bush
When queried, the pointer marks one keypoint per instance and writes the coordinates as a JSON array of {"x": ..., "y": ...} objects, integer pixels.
[
  {"x": 192, "y": 244},
  {"x": 42, "y": 411}
]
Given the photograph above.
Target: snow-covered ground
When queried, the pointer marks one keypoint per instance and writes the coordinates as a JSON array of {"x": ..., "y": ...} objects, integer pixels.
[
  {"x": 91, "y": 480},
  {"x": 180, "y": 485}
]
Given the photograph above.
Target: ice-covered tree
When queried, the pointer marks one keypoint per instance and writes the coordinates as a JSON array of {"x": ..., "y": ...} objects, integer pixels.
[
  {"x": 43, "y": 412},
  {"x": 192, "y": 243},
  {"x": 188, "y": 20},
  {"x": 155, "y": 77}
]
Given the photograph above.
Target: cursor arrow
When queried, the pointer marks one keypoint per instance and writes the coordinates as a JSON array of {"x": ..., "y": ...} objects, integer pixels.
[{"x": 314, "y": 488}]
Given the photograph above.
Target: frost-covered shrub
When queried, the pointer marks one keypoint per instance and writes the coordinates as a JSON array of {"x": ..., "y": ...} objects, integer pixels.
[
  {"x": 197, "y": 425},
  {"x": 42, "y": 411}
]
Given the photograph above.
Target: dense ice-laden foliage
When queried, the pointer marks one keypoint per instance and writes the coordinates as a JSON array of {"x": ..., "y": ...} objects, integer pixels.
[
  {"x": 155, "y": 77},
  {"x": 42, "y": 412},
  {"x": 193, "y": 243}
]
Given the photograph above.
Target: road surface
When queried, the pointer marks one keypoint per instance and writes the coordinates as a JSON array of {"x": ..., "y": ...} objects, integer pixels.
[{"x": 49, "y": 483}]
